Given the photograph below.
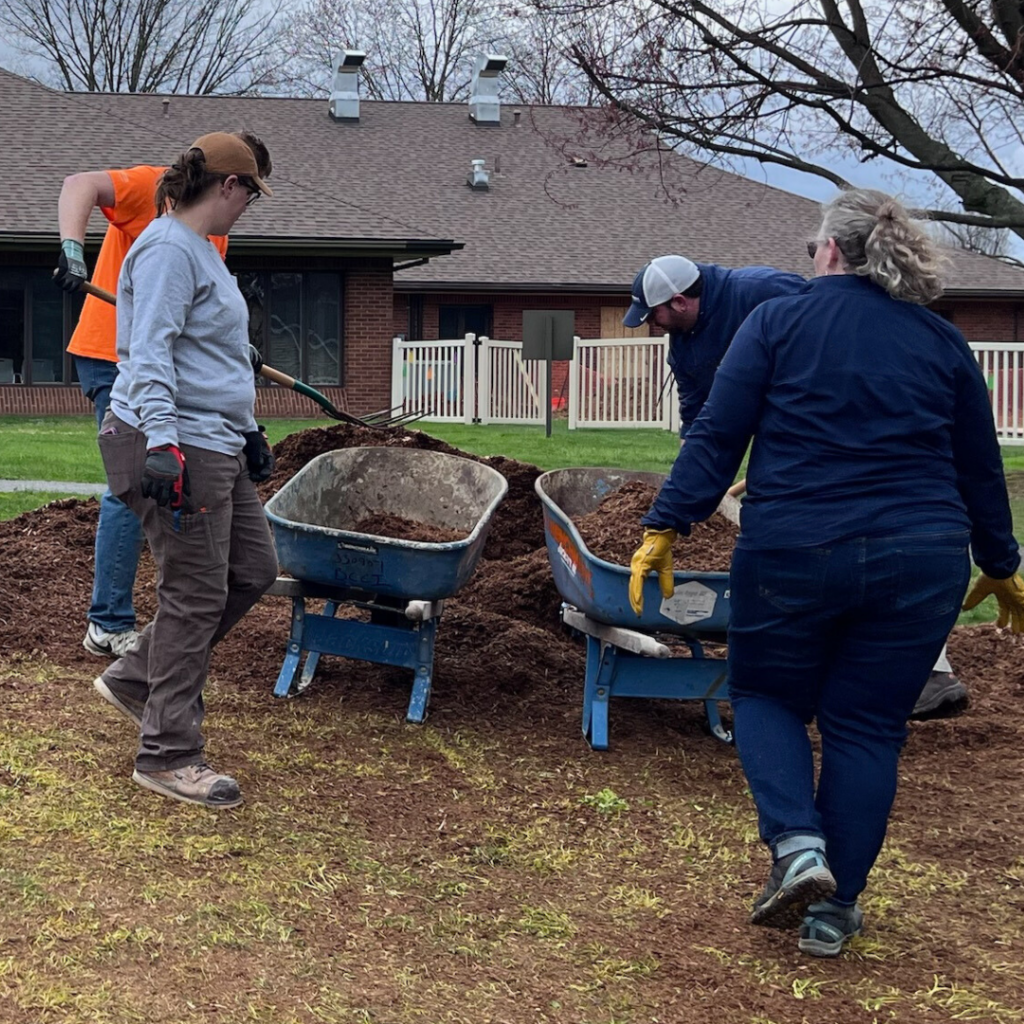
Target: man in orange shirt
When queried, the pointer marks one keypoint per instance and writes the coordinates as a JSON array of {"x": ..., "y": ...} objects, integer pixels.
[{"x": 126, "y": 198}]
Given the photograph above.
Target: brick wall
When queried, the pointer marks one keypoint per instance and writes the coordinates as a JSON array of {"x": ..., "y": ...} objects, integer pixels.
[
  {"x": 988, "y": 321},
  {"x": 369, "y": 328}
]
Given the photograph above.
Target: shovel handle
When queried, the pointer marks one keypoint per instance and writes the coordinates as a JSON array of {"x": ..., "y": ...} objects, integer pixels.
[
  {"x": 97, "y": 292},
  {"x": 269, "y": 373},
  {"x": 737, "y": 488}
]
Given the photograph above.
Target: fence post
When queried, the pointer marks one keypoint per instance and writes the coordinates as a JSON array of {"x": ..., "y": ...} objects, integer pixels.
[
  {"x": 574, "y": 383},
  {"x": 468, "y": 390},
  {"x": 397, "y": 374},
  {"x": 483, "y": 381}
]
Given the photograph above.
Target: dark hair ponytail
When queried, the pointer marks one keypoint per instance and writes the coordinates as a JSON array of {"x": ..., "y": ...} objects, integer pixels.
[{"x": 184, "y": 182}]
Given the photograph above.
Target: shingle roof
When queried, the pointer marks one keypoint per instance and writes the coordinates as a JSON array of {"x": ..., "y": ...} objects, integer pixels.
[{"x": 400, "y": 173}]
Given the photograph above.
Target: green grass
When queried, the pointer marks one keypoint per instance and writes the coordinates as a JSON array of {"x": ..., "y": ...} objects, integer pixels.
[
  {"x": 64, "y": 447},
  {"x": 13, "y": 503}
]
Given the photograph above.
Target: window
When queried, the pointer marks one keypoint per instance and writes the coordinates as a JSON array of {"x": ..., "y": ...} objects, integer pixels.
[
  {"x": 458, "y": 321},
  {"x": 295, "y": 322},
  {"x": 32, "y": 336}
]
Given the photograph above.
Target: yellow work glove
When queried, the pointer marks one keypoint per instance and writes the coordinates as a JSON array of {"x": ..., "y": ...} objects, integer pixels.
[
  {"x": 654, "y": 555},
  {"x": 1010, "y": 595}
]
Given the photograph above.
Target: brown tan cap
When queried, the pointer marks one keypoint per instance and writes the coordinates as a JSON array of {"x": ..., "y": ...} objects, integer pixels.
[{"x": 225, "y": 153}]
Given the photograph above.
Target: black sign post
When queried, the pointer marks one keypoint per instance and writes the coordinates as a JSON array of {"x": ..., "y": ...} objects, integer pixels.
[{"x": 548, "y": 334}]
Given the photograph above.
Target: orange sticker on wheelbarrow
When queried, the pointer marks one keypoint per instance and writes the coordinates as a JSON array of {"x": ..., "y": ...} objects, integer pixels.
[{"x": 569, "y": 553}]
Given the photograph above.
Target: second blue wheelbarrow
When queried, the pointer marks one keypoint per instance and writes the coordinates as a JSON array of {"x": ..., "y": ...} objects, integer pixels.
[
  {"x": 401, "y": 584},
  {"x": 624, "y": 656}
]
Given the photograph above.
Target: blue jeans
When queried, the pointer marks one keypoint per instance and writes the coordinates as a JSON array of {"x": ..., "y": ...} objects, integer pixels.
[
  {"x": 847, "y": 635},
  {"x": 119, "y": 534}
]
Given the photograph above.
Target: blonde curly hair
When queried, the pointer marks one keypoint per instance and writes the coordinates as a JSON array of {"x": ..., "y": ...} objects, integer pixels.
[{"x": 878, "y": 240}]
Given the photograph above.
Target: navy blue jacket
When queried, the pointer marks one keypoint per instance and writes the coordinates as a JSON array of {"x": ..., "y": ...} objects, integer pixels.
[
  {"x": 728, "y": 297},
  {"x": 870, "y": 417}
]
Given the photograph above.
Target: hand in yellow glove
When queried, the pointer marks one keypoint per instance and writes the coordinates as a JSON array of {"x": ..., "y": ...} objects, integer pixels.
[
  {"x": 1009, "y": 594},
  {"x": 654, "y": 555}
]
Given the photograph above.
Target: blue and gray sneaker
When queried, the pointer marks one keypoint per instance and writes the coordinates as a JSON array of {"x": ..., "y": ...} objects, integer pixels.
[
  {"x": 827, "y": 926},
  {"x": 796, "y": 880}
]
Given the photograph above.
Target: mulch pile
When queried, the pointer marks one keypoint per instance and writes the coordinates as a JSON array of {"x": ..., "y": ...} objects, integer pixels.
[
  {"x": 501, "y": 634},
  {"x": 613, "y": 532},
  {"x": 387, "y": 524}
]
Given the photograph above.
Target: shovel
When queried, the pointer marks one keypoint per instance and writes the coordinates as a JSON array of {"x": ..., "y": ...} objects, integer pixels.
[{"x": 375, "y": 421}]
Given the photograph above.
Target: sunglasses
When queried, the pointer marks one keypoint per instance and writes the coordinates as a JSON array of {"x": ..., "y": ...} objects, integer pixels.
[
  {"x": 254, "y": 193},
  {"x": 812, "y": 248}
]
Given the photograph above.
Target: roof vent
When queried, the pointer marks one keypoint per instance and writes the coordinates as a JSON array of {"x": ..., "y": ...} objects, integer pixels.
[
  {"x": 344, "y": 102},
  {"x": 483, "y": 90},
  {"x": 479, "y": 178}
]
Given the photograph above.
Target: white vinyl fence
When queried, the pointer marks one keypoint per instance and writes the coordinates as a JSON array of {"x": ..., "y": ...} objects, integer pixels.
[
  {"x": 622, "y": 382},
  {"x": 1002, "y": 365},
  {"x": 613, "y": 382}
]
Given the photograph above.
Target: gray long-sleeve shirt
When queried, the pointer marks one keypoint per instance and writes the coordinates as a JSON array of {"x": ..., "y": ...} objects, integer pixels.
[{"x": 184, "y": 375}]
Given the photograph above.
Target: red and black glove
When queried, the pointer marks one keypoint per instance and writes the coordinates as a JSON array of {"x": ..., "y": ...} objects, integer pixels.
[{"x": 164, "y": 476}]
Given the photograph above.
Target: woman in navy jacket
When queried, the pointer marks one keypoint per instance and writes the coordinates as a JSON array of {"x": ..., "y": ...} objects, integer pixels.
[{"x": 874, "y": 468}]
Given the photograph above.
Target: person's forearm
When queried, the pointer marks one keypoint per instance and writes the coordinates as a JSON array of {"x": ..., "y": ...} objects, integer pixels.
[{"x": 79, "y": 196}]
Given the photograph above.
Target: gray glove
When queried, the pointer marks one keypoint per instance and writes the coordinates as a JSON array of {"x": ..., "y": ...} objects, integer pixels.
[{"x": 71, "y": 268}]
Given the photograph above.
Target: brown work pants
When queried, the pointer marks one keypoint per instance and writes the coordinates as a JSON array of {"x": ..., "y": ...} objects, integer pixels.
[{"x": 214, "y": 561}]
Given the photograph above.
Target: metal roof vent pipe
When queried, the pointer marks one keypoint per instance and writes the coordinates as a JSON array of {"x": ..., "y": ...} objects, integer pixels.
[
  {"x": 484, "y": 107},
  {"x": 478, "y": 177},
  {"x": 344, "y": 102}
]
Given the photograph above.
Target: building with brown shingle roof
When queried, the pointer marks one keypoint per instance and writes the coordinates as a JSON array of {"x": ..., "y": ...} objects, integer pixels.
[{"x": 374, "y": 227}]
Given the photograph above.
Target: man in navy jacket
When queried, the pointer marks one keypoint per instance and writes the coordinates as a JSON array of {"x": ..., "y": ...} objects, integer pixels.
[{"x": 701, "y": 306}]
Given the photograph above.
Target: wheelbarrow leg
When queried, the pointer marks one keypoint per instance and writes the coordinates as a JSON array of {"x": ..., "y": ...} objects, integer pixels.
[
  {"x": 294, "y": 650},
  {"x": 601, "y": 659},
  {"x": 715, "y": 721},
  {"x": 420, "y": 697},
  {"x": 313, "y": 658}
]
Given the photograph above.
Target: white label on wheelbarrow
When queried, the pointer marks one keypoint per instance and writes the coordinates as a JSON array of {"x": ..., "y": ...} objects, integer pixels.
[{"x": 690, "y": 603}]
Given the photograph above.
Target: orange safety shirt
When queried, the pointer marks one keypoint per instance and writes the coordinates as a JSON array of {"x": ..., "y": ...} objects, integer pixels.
[{"x": 133, "y": 210}]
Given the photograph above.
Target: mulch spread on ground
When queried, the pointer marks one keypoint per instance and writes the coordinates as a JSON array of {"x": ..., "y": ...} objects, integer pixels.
[{"x": 505, "y": 668}]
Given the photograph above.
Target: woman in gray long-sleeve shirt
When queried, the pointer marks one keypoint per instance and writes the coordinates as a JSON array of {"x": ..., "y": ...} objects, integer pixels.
[{"x": 182, "y": 449}]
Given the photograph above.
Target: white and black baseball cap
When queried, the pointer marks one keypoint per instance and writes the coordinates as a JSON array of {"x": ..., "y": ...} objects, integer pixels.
[{"x": 659, "y": 280}]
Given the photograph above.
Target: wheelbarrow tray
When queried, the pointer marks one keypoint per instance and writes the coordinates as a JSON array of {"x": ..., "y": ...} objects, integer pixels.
[
  {"x": 315, "y": 513},
  {"x": 600, "y": 589}
]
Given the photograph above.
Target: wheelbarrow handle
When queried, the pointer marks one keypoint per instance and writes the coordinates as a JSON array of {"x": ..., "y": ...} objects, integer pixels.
[{"x": 737, "y": 488}]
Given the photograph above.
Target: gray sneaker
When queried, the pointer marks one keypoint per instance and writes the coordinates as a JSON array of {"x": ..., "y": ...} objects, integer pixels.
[
  {"x": 827, "y": 926},
  {"x": 109, "y": 645},
  {"x": 943, "y": 695},
  {"x": 128, "y": 706},
  {"x": 193, "y": 784},
  {"x": 795, "y": 880}
]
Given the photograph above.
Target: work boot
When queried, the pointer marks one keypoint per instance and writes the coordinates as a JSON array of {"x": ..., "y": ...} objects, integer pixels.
[
  {"x": 128, "y": 706},
  {"x": 193, "y": 784},
  {"x": 943, "y": 695},
  {"x": 109, "y": 645},
  {"x": 796, "y": 880},
  {"x": 827, "y": 926}
]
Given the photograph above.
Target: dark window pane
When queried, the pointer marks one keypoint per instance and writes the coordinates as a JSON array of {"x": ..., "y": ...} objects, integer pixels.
[
  {"x": 253, "y": 288},
  {"x": 47, "y": 330},
  {"x": 323, "y": 329},
  {"x": 284, "y": 347},
  {"x": 456, "y": 321},
  {"x": 12, "y": 329}
]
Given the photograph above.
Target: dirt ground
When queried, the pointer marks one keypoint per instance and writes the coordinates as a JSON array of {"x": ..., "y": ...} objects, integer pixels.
[{"x": 483, "y": 867}]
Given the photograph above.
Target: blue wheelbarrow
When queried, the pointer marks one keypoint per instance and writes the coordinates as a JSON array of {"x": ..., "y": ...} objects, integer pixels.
[
  {"x": 401, "y": 583},
  {"x": 624, "y": 656}
]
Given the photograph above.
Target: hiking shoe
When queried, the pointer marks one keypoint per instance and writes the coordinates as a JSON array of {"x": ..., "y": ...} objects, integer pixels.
[
  {"x": 128, "y": 706},
  {"x": 942, "y": 695},
  {"x": 796, "y": 880},
  {"x": 827, "y": 926},
  {"x": 110, "y": 645},
  {"x": 194, "y": 784}
]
